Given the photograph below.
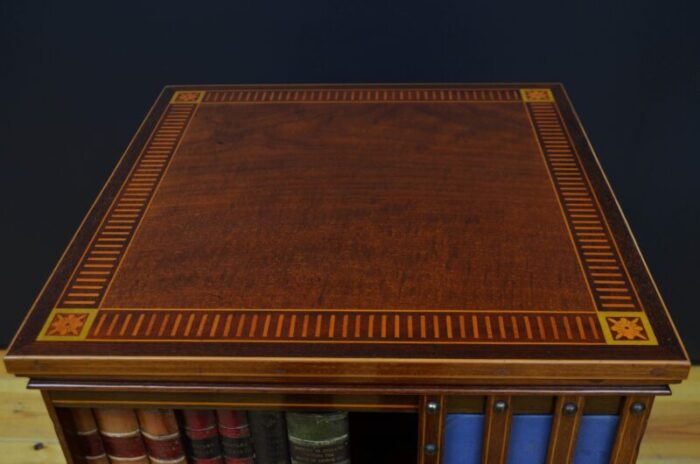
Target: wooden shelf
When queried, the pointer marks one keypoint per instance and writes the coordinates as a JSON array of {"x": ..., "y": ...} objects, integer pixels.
[{"x": 673, "y": 434}]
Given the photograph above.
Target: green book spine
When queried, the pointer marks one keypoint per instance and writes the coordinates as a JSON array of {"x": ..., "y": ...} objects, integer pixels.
[{"x": 318, "y": 437}]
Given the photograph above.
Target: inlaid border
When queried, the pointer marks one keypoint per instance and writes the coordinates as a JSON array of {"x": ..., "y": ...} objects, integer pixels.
[
  {"x": 360, "y": 95},
  {"x": 604, "y": 270},
  {"x": 346, "y": 326},
  {"x": 618, "y": 318},
  {"x": 94, "y": 273}
]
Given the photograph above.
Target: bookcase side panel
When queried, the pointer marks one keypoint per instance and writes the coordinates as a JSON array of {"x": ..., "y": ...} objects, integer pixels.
[
  {"x": 567, "y": 417},
  {"x": 431, "y": 429},
  {"x": 496, "y": 430},
  {"x": 633, "y": 422},
  {"x": 62, "y": 422}
]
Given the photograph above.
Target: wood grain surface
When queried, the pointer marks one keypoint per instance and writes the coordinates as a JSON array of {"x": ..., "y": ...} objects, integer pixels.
[
  {"x": 442, "y": 234},
  {"x": 395, "y": 207}
]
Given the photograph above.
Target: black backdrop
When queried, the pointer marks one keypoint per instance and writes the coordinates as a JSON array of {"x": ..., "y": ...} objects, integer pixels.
[{"x": 77, "y": 78}]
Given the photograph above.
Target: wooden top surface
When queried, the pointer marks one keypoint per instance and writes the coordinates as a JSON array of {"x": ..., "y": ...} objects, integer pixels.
[{"x": 451, "y": 234}]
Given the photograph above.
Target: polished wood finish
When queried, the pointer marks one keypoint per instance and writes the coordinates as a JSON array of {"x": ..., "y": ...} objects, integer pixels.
[
  {"x": 385, "y": 213},
  {"x": 357, "y": 370},
  {"x": 165, "y": 388},
  {"x": 376, "y": 402},
  {"x": 672, "y": 437},
  {"x": 418, "y": 234},
  {"x": 496, "y": 430},
  {"x": 432, "y": 410},
  {"x": 63, "y": 424},
  {"x": 631, "y": 429},
  {"x": 360, "y": 247},
  {"x": 562, "y": 441}
]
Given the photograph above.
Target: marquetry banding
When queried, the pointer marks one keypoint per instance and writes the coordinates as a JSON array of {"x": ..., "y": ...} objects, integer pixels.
[
  {"x": 116, "y": 228},
  {"x": 589, "y": 231},
  {"x": 344, "y": 326},
  {"x": 358, "y": 95},
  {"x": 611, "y": 289}
]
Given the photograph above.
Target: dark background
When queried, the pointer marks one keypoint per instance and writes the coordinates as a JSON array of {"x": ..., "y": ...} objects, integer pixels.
[{"x": 77, "y": 78}]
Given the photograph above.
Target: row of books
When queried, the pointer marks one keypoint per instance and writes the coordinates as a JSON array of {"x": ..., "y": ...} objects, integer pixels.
[
  {"x": 529, "y": 439},
  {"x": 222, "y": 436},
  {"x": 226, "y": 436}
]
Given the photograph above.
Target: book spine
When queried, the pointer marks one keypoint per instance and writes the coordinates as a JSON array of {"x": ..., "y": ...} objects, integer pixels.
[
  {"x": 203, "y": 434},
  {"x": 161, "y": 435},
  {"x": 596, "y": 438},
  {"x": 318, "y": 437},
  {"x": 269, "y": 432},
  {"x": 89, "y": 442},
  {"x": 121, "y": 436},
  {"x": 529, "y": 437},
  {"x": 235, "y": 436},
  {"x": 463, "y": 438}
]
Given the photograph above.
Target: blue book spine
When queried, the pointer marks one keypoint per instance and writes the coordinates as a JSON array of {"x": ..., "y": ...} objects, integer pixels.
[
  {"x": 596, "y": 436},
  {"x": 464, "y": 434},
  {"x": 529, "y": 438}
]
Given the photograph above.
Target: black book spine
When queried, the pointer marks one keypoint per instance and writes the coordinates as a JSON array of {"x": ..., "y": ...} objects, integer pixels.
[{"x": 269, "y": 431}]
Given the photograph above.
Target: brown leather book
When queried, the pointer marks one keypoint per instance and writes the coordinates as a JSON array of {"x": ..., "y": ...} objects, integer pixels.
[
  {"x": 121, "y": 436},
  {"x": 89, "y": 441},
  {"x": 202, "y": 432},
  {"x": 161, "y": 436}
]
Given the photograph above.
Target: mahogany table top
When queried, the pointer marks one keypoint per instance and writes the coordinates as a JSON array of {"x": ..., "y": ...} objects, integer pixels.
[{"x": 382, "y": 234}]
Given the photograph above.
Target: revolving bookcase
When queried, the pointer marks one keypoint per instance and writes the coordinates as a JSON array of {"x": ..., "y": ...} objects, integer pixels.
[{"x": 412, "y": 254}]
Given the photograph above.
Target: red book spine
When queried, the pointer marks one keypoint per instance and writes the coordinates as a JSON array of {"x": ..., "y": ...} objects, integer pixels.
[
  {"x": 89, "y": 441},
  {"x": 235, "y": 436},
  {"x": 161, "y": 435},
  {"x": 201, "y": 429},
  {"x": 121, "y": 436}
]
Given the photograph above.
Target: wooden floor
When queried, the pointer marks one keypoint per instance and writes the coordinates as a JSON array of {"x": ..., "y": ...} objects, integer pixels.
[{"x": 26, "y": 433}]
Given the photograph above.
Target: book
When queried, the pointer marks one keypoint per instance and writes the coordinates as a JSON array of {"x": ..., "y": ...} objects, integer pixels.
[
  {"x": 269, "y": 432},
  {"x": 89, "y": 441},
  {"x": 161, "y": 435},
  {"x": 204, "y": 446},
  {"x": 464, "y": 435},
  {"x": 121, "y": 435},
  {"x": 235, "y": 436},
  {"x": 529, "y": 438},
  {"x": 318, "y": 437},
  {"x": 596, "y": 436}
]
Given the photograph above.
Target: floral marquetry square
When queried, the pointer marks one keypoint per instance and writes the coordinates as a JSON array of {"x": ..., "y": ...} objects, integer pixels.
[
  {"x": 67, "y": 325},
  {"x": 537, "y": 95},
  {"x": 626, "y": 328},
  {"x": 187, "y": 96}
]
